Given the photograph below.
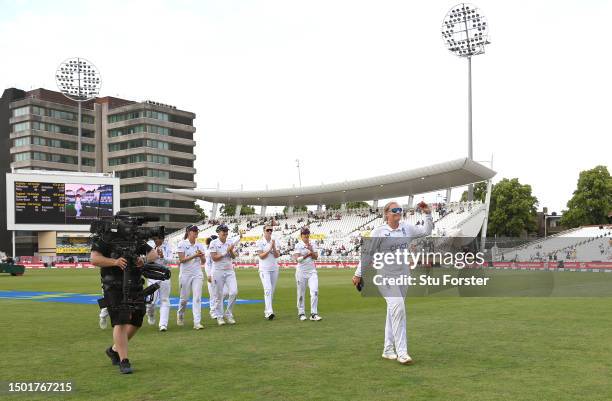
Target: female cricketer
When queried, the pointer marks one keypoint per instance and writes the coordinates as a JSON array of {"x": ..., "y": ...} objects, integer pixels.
[
  {"x": 191, "y": 258},
  {"x": 396, "y": 347},
  {"x": 305, "y": 253},
  {"x": 268, "y": 268}
]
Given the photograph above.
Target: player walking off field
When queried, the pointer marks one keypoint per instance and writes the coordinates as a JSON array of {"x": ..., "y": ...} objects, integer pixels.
[
  {"x": 267, "y": 250},
  {"x": 305, "y": 253},
  {"x": 191, "y": 258},
  {"x": 396, "y": 346},
  {"x": 162, "y": 296},
  {"x": 222, "y": 253},
  {"x": 212, "y": 293}
]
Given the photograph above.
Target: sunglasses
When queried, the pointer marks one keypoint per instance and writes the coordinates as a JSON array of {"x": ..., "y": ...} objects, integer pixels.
[
  {"x": 269, "y": 230},
  {"x": 396, "y": 210}
]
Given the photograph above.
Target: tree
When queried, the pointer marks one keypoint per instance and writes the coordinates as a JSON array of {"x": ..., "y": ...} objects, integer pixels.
[
  {"x": 296, "y": 209},
  {"x": 230, "y": 210},
  {"x": 480, "y": 192},
  {"x": 512, "y": 211},
  {"x": 201, "y": 214},
  {"x": 592, "y": 199},
  {"x": 349, "y": 205}
]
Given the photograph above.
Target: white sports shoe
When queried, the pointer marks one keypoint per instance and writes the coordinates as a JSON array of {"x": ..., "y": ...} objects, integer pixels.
[
  {"x": 151, "y": 319},
  {"x": 230, "y": 320},
  {"x": 220, "y": 321},
  {"x": 405, "y": 360},
  {"x": 390, "y": 356},
  {"x": 302, "y": 317},
  {"x": 103, "y": 323},
  {"x": 315, "y": 317},
  {"x": 163, "y": 328},
  {"x": 180, "y": 321},
  {"x": 198, "y": 326}
]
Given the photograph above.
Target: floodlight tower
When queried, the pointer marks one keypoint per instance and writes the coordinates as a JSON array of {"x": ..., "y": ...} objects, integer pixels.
[
  {"x": 465, "y": 32},
  {"x": 78, "y": 80}
]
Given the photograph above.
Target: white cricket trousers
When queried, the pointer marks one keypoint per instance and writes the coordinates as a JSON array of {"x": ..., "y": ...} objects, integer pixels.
[
  {"x": 191, "y": 284},
  {"x": 395, "y": 327},
  {"x": 268, "y": 280},
  {"x": 161, "y": 296},
  {"x": 212, "y": 300},
  {"x": 222, "y": 278},
  {"x": 310, "y": 278}
]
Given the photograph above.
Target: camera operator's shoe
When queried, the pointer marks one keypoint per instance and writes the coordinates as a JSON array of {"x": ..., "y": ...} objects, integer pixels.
[
  {"x": 103, "y": 323},
  {"x": 125, "y": 367},
  {"x": 230, "y": 320},
  {"x": 198, "y": 326},
  {"x": 220, "y": 321},
  {"x": 113, "y": 355},
  {"x": 180, "y": 320},
  {"x": 163, "y": 328}
]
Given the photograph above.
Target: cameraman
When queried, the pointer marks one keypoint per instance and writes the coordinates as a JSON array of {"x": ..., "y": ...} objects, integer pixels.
[{"x": 111, "y": 272}]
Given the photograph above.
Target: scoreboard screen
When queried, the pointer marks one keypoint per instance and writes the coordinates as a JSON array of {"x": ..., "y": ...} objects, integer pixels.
[{"x": 60, "y": 203}]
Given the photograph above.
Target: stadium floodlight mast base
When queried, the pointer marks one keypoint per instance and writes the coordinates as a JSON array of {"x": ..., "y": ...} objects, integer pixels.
[
  {"x": 79, "y": 80},
  {"x": 465, "y": 32}
]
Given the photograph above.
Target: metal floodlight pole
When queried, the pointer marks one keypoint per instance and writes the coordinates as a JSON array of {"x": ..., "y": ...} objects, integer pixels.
[
  {"x": 297, "y": 161},
  {"x": 465, "y": 32},
  {"x": 78, "y": 80}
]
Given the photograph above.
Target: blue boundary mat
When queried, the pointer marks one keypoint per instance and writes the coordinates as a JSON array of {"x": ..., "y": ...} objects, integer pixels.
[{"x": 91, "y": 299}]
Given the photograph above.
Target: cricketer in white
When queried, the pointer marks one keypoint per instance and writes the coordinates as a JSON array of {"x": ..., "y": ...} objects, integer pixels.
[
  {"x": 396, "y": 345},
  {"x": 191, "y": 258},
  {"x": 162, "y": 296},
  {"x": 268, "y": 268}
]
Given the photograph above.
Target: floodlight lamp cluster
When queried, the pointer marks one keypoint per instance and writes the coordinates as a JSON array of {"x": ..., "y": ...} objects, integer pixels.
[
  {"x": 465, "y": 30},
  {"x": 78, "y": 79}
]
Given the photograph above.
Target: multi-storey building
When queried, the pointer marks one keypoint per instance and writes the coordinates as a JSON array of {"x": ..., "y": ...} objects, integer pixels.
[{"x": 149, "y": 145}]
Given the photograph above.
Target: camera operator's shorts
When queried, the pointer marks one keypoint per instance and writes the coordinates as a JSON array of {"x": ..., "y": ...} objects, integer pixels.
[{"x": 119, "y": 317}]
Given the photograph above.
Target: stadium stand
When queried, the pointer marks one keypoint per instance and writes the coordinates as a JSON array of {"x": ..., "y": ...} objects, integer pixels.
[
  {"x": 337, "y": 233},
  {"x": 589, "y": 243}
]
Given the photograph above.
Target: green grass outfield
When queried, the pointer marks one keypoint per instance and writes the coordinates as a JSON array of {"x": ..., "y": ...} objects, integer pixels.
[{"x": 464, "y": 348}]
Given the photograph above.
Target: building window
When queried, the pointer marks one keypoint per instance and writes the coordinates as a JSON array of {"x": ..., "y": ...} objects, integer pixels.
[
  {"x": 21, "y": 126},
  {"x": 88, "y": 162},
  {"x": 158, "y": 159},
  {"x": 22, "y": 141},
  {"x": 157, "y": 115},
  {"x": 22, "y": 111},
  {"x": 85, "y": 147},
  {"x": 21, "y": 156},
  {"x": 157, "y": 144},
  {"x": 61, "y": 114}
]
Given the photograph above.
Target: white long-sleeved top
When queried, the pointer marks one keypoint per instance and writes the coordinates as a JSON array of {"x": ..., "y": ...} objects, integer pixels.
[
  {"x": 403, "y": 230},
  {"x": 166, "y": 250}
]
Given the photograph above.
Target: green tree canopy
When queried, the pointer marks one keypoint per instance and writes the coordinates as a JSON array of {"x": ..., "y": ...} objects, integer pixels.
[
  {"x": 513, "y": 209},
  {"x": 349, "y": 205},
  {"x": 230, "y": 210},
  {"x": 201, "y": 214},
  {"x": 296, "y": 209},
  {"x": 480, "y": 192},
  {"x": 592, "y": 199}
]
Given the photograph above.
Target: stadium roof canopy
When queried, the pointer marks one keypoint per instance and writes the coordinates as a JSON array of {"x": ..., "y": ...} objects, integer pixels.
[{"x": 440, "y": 176}]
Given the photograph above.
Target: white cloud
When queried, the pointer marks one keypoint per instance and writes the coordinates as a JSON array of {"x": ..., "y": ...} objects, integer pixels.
[{"x": 342, "y": 85}]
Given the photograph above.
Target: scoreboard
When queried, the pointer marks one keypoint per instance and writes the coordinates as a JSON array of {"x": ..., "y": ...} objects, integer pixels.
[
  {"x": 40, "y": 203},
  {"x": 58, "y": 201}
]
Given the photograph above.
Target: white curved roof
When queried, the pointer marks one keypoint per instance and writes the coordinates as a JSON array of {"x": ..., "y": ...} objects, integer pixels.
[{"x": 439, "y": 176}]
